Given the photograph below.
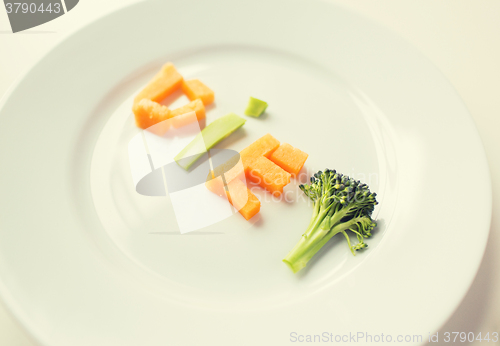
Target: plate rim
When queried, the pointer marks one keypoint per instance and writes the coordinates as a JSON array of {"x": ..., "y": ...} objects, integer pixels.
[{"x": 18, "y": 314}]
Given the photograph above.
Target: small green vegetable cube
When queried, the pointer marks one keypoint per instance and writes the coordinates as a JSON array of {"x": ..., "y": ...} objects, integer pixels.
[{"x": 255, "y": 107}]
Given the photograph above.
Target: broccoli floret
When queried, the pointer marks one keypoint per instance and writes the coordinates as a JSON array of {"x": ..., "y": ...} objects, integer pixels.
[{"x": 341, "y": 204}]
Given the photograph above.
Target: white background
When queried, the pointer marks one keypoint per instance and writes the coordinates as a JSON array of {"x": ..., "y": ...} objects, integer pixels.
[{"x": 462, "y": 37}]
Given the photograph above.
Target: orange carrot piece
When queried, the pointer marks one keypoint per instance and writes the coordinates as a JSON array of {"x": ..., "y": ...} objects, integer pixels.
[
  {"x": 268, "y": 175},
  {"x": 237, "y": 194},
  {"x": 263, "y": 146},
  {"x": 266, "y": 163},
  {"x": 216, "y": 186},
  {"x": 149, "y": 113},
  {"x": 196, "y": 106},
  {"x": 162, "y": 85},
  {"x": 194, "y": 89},
  {"x": 243, "y": 199},
  {"x": 289, "y": 158},
  {"x": 231, "y": 169},
  {"x": 183, "y": 119}
]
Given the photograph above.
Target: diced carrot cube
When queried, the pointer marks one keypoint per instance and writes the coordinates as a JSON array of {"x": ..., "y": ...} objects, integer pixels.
[
  {"x": 162, "y": 85},
  {"x": 264, "y": 146},
  {"x": 268, "y": 175},
  {"x": 196, "y": 106},
  {"x": 289, "y": 158},
  {"x": 194, "y": 89},
  {"x": 149, "y": 113}
]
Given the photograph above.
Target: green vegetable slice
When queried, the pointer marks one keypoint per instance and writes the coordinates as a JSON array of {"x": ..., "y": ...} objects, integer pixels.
[
  {"x": 215, "y": 132},
  {"x": 255, "y": 107}
]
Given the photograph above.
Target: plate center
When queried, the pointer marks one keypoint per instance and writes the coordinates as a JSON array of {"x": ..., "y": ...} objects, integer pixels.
[{"x": 236, "y": 261}]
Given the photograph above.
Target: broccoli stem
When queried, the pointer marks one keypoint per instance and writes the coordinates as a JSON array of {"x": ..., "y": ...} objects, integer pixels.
[{"x": 317, "y": 235}]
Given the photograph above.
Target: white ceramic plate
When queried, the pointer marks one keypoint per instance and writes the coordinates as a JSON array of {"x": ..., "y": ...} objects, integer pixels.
[{"x": 85, "y": 260}]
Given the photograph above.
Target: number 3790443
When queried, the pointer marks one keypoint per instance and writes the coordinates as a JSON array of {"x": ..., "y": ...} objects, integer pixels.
[{"x": 25, "y": 7}]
